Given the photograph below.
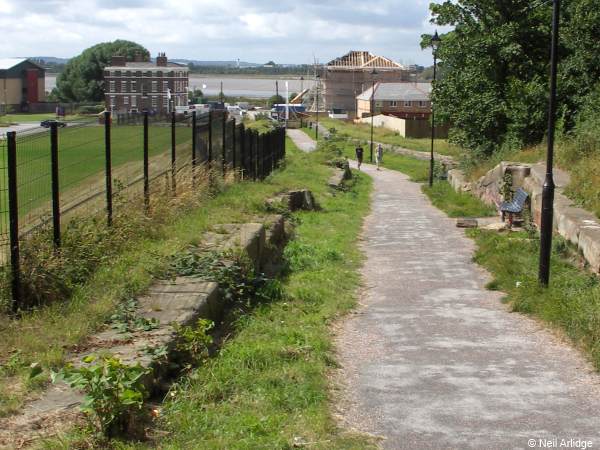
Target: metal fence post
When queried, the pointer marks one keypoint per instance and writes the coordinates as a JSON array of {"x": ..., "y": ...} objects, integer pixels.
[
  {"x": 55, "y": 183},
  {"x": 255, "y": 156},
  {"x": 233, "y": 145},
  {"x": 242, "y": 145},
  {"x": 194, "y": 144},
  {"x": 224, "y": 146},
  {"x": 146, "y": 169},
  {"x": 173, "y": 155},
  {"x": 108, "y": 168},
  {"x": 13, "y": 212},
  {"x": 210, "y": 136},
  {"x": 260, "y": 154}
]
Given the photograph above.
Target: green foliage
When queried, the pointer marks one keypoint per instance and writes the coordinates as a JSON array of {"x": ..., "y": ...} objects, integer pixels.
[
  {"x": 276, "y": 100},
  {"x": 495, "y": 62},
  {"x": 194, "y": 341},
  {"x": 506, "y": 186},
  {"x": 456, "y": 204},
  {"x": 114, "y": 392},
  {"x": 196, "y": 96},
  {"x": 233, "y": 271},
  {"x": 82, "y": 77},
  {"x": 127, "y": 320}
]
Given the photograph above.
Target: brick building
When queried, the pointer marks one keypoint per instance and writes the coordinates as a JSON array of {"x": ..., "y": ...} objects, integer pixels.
[
  {"x": 344, "y": 78},
  {"x": 138, "y": 85},
  {"x": 403, "y": 100},
  {"x": 22, "y": 84}
]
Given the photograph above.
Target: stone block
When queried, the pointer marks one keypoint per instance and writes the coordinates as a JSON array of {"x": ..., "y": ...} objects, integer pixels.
[
  {"x": 458, "y": 181},
  {"x": 589, "y": 244},
  {"x": 337, "y": 179},
  {"x": 519, "y": 172},
  {"x": 466, "y": 223},
  {"x": 301, "y": 200}
]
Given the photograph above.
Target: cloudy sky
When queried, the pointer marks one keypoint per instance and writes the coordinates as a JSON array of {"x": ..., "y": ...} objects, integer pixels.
[{"x": 286, "y": 31}]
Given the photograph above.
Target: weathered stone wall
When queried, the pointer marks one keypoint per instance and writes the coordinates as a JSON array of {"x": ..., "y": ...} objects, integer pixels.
[{"x": 578, "y": 226}]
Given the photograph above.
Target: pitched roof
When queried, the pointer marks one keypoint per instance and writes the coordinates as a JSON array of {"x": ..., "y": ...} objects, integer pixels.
[
  {"x": 398, "y": 91},
  {"x": 363, "y": 60},
  {"x": 9, "y": 63}
]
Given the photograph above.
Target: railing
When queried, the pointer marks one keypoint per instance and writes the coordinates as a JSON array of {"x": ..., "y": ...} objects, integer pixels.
[{"x": 47, "y": 174}]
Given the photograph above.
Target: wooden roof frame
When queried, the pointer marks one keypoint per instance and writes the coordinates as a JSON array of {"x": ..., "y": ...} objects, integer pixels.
[{"x": 363, "y": 60}]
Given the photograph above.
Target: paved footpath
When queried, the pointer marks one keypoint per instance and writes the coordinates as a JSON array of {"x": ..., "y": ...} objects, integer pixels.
[
  {"x": 303, "y": 141},
  {"x": 433, "y": 360}
]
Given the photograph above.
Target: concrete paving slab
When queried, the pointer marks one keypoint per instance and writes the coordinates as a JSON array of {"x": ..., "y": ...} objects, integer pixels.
[{"x": 433, "y": 360}]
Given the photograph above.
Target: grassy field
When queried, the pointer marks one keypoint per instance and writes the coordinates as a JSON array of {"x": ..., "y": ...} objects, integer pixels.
[
  {"x": 383, "y": 135},
  {"x": 269, "y": 383},
  {"x": 457, "y": 204},
  {"x": 81, "y": 158}
]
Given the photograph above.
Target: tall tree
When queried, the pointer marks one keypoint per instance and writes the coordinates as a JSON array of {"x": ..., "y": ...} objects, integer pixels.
[
  {"x": 83, "y": 76},
  {"x": 495, "y": 71}
]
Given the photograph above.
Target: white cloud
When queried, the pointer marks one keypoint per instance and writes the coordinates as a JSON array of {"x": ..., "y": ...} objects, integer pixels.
[{"x": 286, "y": 31}]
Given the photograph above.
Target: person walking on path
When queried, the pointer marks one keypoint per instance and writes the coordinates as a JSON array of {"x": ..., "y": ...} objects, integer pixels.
[
  {"x": 359, "y": 156},
  {"x": 379, "y": 155}
]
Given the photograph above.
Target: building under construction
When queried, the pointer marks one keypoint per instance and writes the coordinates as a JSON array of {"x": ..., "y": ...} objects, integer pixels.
[{"x": 344, "y": 78}]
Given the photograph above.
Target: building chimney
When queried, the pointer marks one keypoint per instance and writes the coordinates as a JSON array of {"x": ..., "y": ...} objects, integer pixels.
[
  {"x": 137, "y": 57},
  {"x": 161, "y": 60},
  {"x": 118, "y": 61}
]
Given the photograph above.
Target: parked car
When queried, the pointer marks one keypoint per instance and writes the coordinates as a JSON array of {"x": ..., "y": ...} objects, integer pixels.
[{"x": 48, "y": 123}]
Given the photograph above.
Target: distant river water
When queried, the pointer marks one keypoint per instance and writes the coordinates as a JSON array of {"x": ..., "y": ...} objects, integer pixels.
[{"x": 232, "y": 86}]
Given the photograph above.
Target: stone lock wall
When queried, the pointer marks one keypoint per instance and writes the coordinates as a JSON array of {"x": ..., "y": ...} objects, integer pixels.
[{"x": 576, "y": 225}]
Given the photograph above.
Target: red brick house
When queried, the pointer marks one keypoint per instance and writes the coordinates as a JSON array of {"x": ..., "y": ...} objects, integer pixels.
[{"x": 138, "y": 85}]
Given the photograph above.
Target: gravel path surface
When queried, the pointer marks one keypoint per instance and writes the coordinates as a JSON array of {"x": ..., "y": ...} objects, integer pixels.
[{"x": 433, "y": 360}]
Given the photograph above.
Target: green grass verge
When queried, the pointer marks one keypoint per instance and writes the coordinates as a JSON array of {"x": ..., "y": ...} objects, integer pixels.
[
  {"x": 362, "y": 131},
  {"x": 456, "y": 204},
  {"x": 269, "y": 384},
  {"x": 416, "y": 169},
  {"x": 571, "y": 302}
]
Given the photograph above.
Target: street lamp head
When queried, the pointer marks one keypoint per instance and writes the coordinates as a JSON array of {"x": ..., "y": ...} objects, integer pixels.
[{"x": 435, "y": 41}]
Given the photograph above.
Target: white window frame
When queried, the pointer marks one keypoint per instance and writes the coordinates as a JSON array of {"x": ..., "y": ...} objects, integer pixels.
[
  {"x": 113, "y": 101},
  {"x": 126, "y": 100},
  {"x": 165, "y": 101},
  {"x": 154, "y": 101},
  {"x": 393, "y": 103},
  {"x": 111, "y": 86},
  {"x": 165, "y": 86},
  {"x": 134, "y": 101},
  {"x": 133, "y": 85},
  {"x": 154, "y": 86},
  {"x": 123, "y": 86}
]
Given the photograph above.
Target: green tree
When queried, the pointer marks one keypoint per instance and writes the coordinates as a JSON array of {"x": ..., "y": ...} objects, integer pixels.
[
  {"x": 579, "y": 68},
  {"x": 83, "y": 76},
  {"x": 276, "y": 99},
  {"x": 196, "y": 96},
  {"x": 495, "y": 65}
]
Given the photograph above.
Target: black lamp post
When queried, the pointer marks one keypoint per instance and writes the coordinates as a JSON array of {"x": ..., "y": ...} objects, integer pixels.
[
  {"x": 373, "y": 75},
  {"x": 548, "y": 189},
  {"x": 435, "y": 43},
  {"x": 318, "y": 77}
]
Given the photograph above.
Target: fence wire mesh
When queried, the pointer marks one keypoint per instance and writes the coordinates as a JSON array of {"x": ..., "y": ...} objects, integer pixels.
[{"x": 82, "y": 165}]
